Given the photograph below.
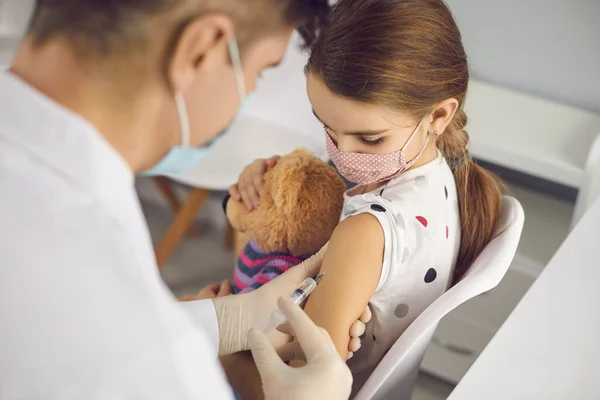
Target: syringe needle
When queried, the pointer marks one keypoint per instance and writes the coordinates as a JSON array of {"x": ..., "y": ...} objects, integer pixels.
[{"x": 298, "y": 297}]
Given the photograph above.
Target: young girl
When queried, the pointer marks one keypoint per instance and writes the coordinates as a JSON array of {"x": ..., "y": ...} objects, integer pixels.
[{"x": 388, "y": 80}]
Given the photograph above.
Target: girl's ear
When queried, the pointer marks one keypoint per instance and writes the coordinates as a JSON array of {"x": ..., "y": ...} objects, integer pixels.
[{"x": 443, "y": 114}]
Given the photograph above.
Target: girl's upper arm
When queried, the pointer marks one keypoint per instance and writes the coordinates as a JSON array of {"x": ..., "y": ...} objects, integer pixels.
[{"x": 352, "y": 266}]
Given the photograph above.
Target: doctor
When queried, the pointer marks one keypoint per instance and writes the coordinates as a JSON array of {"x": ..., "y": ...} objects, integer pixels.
[{"x": 99, "y": 91}]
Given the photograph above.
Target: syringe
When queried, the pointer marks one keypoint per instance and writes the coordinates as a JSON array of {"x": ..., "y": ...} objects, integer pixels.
[{"x": 298, "y": 297}]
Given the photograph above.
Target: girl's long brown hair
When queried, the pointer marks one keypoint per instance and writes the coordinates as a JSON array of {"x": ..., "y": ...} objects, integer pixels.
[{"x": 408, "y": 55}]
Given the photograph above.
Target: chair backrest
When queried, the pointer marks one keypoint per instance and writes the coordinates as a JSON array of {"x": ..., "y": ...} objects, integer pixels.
[
  {"x": 395, "y": 375},
  {"x": 590, "y": 188}
]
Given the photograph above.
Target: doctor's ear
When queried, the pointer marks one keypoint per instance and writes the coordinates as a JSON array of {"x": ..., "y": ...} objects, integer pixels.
[
  {"x": 443, "y": 114},
  {"x": 201, "y": 44}
]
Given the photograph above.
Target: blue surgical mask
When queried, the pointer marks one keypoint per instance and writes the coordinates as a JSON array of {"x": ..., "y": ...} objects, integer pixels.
[{"x": 183, "y": 157}]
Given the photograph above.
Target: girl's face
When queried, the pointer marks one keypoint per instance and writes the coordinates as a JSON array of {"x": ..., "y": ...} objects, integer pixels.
[{"x": 358, "y": 127}]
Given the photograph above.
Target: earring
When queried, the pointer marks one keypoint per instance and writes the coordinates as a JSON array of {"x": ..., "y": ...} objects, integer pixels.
[{"x": 436, "y": 134}]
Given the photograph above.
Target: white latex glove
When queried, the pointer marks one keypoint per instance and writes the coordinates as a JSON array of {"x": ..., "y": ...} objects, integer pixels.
[
  {"x": 325, "y": 375},
  {"x": 357, "y": 329},
  {"x": 236, "y": 315}
]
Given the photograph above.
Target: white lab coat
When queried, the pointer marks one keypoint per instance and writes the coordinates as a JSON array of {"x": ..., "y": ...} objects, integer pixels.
[{"x": 84, "y": 313}]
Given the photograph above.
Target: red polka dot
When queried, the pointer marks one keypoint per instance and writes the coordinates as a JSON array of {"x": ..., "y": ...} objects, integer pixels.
[
  {"x": 422, "y": 220},
  {"x": 446, "y": 232}
]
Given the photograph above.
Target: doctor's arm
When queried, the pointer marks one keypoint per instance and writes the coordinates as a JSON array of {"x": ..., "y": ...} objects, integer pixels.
[{"x": 352, "y": 267}]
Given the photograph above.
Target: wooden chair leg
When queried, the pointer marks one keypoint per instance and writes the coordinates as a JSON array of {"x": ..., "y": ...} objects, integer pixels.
[
  {"x": 180, "y": 225},
  {"x": 165, "y": 187}
]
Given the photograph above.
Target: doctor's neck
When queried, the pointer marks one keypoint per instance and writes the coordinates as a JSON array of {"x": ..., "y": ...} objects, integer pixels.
[{"x": 105, "y": 92}]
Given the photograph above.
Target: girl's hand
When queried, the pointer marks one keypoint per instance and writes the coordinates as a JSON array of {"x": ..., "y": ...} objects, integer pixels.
[
  {"x": 211, "y": 292},
  {"x": 249, "y": 186},
  {"x": 215, "y": 290}
]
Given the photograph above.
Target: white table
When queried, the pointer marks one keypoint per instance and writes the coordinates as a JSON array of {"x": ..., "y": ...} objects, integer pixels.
[
  {"x": 549, "y": 347},
  {"x": 249, "y": 139}
]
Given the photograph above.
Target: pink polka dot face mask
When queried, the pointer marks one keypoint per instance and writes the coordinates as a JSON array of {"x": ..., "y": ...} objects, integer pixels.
[{"x": 365, "y": 169}]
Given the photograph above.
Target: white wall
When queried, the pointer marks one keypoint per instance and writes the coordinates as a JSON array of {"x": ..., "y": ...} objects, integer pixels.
[
  {"x": 14, "y": 15},
  {"x": 549, "y": 48}
]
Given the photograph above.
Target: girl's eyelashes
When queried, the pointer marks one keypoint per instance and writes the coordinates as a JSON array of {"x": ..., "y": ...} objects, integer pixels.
[
  {"x": 361, "y": 138},
  {"x": 370, "y": 142}
]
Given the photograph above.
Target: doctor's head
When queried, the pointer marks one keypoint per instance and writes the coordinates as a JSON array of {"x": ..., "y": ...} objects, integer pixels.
[{"x": 134, "y": 57}]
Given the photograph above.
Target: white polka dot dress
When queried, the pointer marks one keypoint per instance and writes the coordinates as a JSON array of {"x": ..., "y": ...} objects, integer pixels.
[{"x": 418, "y": 212}]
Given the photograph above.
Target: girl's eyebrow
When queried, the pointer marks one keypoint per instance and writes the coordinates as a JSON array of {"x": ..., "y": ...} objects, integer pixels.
[{"x": 373, "y": 132}]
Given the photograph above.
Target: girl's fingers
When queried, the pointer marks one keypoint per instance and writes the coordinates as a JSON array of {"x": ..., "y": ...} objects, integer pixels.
[
  {"x": 365, "y": 317},
  {"x": 253, "y": 196},
  {"x": 354, "y": 345},
  {"x": 357, "y": 329},
  {"x": 234, "y": 192},
  {"x": 271, "y": 162},
  {"x": 258, "y": 185},
  {"x": 225, "y": 289},
  {"x": 246, "y": 200}
]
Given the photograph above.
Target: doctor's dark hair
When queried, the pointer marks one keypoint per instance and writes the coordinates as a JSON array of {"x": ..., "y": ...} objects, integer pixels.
[
  {"x": 107, "y": 26},
  {"x": 408, "y": 55}
]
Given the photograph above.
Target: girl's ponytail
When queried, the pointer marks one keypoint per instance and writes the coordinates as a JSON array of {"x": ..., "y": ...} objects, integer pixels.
[{"x": 479, "y": 194}]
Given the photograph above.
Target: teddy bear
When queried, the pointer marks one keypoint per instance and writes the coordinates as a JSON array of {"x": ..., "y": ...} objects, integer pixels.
[{"x": 300, "y": 206}]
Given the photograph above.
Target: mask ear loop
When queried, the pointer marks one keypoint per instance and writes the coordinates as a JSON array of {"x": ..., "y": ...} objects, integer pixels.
[
  {"x": 184, "y": 122},
  {"x": 411, "y": 162},
  {"x": 234, "y": 53},
  {"x": 412, "y": 135}
]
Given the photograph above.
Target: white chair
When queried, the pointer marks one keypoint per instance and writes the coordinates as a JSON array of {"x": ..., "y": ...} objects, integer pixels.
[
  {"x": 590, "y": 188},
  {"x": 395, "y": 375}
]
